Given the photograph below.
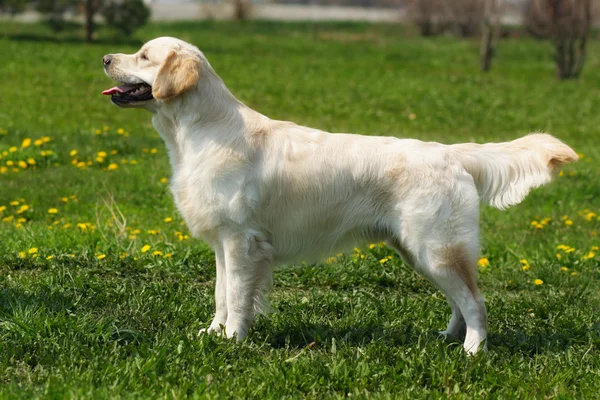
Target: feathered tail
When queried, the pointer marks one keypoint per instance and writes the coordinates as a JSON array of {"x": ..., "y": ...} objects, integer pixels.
[{"x": 504, "y": 173}]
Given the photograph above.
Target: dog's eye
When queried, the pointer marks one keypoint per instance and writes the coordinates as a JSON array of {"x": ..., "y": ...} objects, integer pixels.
[{"x": 144, "y": 56}]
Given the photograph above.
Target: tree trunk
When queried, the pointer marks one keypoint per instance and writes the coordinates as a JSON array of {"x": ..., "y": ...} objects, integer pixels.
[
  {"x": 89, "y": 27},
  {"x": 489, "y": 33}
]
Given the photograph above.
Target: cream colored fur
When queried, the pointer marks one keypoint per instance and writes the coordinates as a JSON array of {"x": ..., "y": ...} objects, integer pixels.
[{"x": 265, "y": 192}]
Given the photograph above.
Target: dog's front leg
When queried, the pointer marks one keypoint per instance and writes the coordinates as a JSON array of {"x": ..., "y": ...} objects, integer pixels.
[
  {"x": 220, "y": 318},
  {"x": 248, "y": 259}
]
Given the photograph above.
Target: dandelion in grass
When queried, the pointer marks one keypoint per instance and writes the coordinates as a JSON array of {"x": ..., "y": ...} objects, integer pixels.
[
  {"x": 53, "y": 211},
  {"x": 525, "y": 265},
  {"x": 146, "y": 248},
  {"x": 168, "y": 219},
  {"x": 574, "y": 273},
  {"x": 564, "y": 269},
  {"x": 22, "y": 254},
  {"x": 22, "y": 164},
  {"x": 168, "y": 255},
  {"x": 73, "y": 153},
  {"x": 2, "y": 209},
  {"x": 100, "y": 256},
  {"x": 49, "y": 258},
  {"x": 32, "y": 250},
  {"x": 568, "y": 222},
  {"x": 372, "y": 246},
  {"x": 113, "y": 166},
  {"x": 483, "y": 262},
  {"x": 26, "y": 143},
  {"x": 538, "y": 282},
  {"x": 590, "y": 255},
  {"x": 157, "y": 253}
]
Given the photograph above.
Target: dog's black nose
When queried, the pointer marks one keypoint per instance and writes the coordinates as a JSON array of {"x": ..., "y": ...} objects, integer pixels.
[{"x": 107, "y": 59}]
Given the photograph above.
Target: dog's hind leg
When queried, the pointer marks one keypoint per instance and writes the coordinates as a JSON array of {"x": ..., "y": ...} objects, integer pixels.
[
  {"x": 249, "y": 268},
  {"x": 456, "y": 327},
  {"x": 452, "y": 268}
]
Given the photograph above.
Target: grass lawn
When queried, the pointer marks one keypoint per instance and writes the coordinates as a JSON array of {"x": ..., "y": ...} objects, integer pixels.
[{"x": 102, "y": 292}]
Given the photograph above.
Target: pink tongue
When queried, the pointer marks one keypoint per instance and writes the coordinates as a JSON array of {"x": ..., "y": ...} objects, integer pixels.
[{"x": 120, "y": 89}]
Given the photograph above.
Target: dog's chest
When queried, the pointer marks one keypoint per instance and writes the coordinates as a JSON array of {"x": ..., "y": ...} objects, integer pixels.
[{"x": 209, "y": 195}]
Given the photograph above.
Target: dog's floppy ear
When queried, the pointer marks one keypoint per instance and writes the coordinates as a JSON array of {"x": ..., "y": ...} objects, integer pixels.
[{"x": 178, "y": 73}]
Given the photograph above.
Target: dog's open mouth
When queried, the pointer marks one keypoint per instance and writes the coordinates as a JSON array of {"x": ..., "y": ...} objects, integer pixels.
[{"x": 129, "y": 94}]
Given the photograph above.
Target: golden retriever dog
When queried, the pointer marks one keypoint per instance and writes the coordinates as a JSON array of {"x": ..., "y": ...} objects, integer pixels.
[{"x": 263, "y": 192}]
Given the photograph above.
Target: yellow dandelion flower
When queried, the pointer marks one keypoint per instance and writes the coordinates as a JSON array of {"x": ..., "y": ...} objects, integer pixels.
[
  {"x": 8, "y": 219},
  {"x": 14, "y": 203},
  {"x": 82, "y": 226},
  {"x": 168, "y": 255},
  {"x": 568, "y": 222},
  {"x": 73, "y": 153},
  {"x": 52, "y": 211},
  {"x": 3, "y": 170},
  {"x": 383, "y": 261},
  {"x": 589, "y": 256},
  {"x": 49, "y": 258},
  {"x": 123, "y": 255},
  {"x": 538, "y": 282},
  {"x": 81, "y": 164},
  {"x": 146, "y": 248},
  {"x": 564, "y": 269},
  {"x": 10, "y": 163},
  {"x": 157, "y": 253},
  {"x": 99, "y": 160},
  {"x": 168, "y": 219},
  {"x": 113, "y": 166},
  {"x": 558, "y": 255},
  {"x": 22, "y": 164},
  {"x": 38, "y": 142},
  {"x": 22, "y": 254},
  {"x": 163, "y": 180},
  {"x": 2, "y": 208},
  {"x": 120, "y": 131},
  {"x": 98, "y": 132},
  {"x": 372, "y": 246},
  {"x": 100, "y": 256},
  {"x": 102, "y": 154},
  {"x": 67, "y": 226},
  {"x": 595, "y": 248},
  {"x": 483, "y": 262},
  {"x": 26, "y": 143},
  {"x": 22, "y": 209},
  {"x": 64, "y": 199},
  {"x": 133, "y": 162},
  {"x": 32, "y": 250},
  {"x": 574, "y": 273},
  {"x": 153, "y": 151},
  {"x": 525, "y": 265}
]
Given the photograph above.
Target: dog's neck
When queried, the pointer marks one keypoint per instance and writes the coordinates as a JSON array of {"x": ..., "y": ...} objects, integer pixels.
[{"x": 207, "y": 115}]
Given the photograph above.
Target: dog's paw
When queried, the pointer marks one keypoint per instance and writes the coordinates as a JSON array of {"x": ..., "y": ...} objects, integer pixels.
[{"x": 213, "y": 329}]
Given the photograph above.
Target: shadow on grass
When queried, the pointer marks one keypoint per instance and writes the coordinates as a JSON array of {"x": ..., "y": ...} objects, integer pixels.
[
  {"x": 513, "y": 341},
  {"x": 295, "y": 335}
]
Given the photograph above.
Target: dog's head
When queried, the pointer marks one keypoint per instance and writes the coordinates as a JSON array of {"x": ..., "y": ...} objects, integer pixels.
[{"x": 160, "y": 71}]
